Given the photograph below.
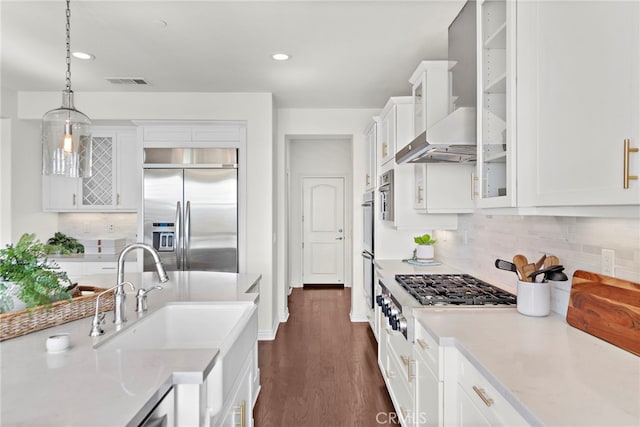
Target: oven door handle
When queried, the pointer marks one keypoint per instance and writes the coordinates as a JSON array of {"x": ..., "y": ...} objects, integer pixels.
[{"x": 367, "y": 255}]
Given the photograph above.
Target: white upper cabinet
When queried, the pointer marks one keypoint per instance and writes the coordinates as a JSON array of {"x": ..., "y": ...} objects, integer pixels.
[
  {"x": 578, "y": 101},
  {"x": 396, "y": 127},
  {"x": 370, "y": 172},
  {"x": 114, "y": 184},
  {"x": 443, "y": 188},
  {"x": 496, "y": 124},
  {"x": 431, "y": 92}
]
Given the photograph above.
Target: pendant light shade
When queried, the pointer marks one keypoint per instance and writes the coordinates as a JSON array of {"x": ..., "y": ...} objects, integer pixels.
[{"x": 66, "y": 132}]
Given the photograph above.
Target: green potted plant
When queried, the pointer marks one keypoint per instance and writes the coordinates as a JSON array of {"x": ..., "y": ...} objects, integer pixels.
[
  {"x": 424, "y": 250},
  {"x": 26, "y": 275},
  {"x": 60, "y": 243}
]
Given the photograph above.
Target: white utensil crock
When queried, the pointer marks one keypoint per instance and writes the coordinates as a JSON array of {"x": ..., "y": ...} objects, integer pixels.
[{"x": 534, "y": 299}]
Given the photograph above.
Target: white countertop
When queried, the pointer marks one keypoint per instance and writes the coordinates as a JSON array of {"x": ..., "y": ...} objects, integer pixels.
[
  {"x": 87, "y": 387},
  {"x": 551, "y": 372}
]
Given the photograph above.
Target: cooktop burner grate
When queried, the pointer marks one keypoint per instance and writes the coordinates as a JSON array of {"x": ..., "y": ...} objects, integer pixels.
[{"x": 453, "y": 289}]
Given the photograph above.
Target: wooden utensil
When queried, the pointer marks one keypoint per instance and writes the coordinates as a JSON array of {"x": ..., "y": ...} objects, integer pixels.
[
  {"x": 550, "y": 261},
  {"x": 540, "y": 262},
  {"x": 527, "y": 270},
  {"x": 520, "y": 261},
  {"x": 606, "y": 307}
]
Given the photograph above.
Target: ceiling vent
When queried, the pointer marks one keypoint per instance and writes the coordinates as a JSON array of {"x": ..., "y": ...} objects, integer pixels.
[{"x": 136, "y": 81}]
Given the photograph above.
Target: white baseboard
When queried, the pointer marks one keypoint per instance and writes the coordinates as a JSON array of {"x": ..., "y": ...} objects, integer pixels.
[
  {"x": 284, "y": 316},
  {"x": 358, "y": 318},
  {"x": 269, "y": 335}
]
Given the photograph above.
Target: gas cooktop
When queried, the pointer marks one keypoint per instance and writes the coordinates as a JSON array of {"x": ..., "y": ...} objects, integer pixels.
[{"x": 453, "y": 289}]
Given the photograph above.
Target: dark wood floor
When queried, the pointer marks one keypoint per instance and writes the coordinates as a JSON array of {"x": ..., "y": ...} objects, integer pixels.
[{"x": 321, "y": 370}]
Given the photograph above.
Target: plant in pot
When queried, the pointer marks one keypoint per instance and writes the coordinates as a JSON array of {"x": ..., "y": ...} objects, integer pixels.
[
  {"x": 27, "y": 276},
  {"x": 60, "y": 243},
  {"x": 424, "y": 250}
]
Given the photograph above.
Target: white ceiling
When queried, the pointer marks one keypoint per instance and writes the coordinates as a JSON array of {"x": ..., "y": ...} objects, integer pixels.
[{"x": 344, "y": 54}]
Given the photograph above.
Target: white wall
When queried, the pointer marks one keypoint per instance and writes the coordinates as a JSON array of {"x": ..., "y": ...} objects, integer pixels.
[
  {"x": 309, "y": 122},
  {"x": 254, "y": 108},
  {"x": 316, "y": 157}
]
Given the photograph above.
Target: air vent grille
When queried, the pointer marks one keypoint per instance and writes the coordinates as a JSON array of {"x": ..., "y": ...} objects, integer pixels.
[{"x": 127, "y": 80}]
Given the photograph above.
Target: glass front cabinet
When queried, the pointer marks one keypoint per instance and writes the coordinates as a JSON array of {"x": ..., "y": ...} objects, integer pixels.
[{"x": 496, "y": 175}]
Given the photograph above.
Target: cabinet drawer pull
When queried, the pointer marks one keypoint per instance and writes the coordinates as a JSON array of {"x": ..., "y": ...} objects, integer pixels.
[
  {"x": 388, "y": 373},
  {"x": 118, "y": 199},
  {"x": 405, "y": 360},
  {"x": 384, "y": 150},
  {"x": 403, "y": 411},
  {"x": 419, "y": 195},
  {"x": 483, "y": 396},
  {"x": 367, "y": 179},
  {"x": 474, "y": 181},
  {"x": 73, "y": 201},
  {"x": 423, "y": 344},
  {"x": 627, "y": 151},
  {"x": 388, "y": 331},
  {"x": 410, "y": 372}
]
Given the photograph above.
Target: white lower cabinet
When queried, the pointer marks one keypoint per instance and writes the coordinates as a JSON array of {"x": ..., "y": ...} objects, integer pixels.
[
  {"x": 76, "y": 269},
  {"x": 429, "y": 386},
  {"x": 433, "y": 385},
  {"x": 397, "y": 364},
  {"x": 473, "y": 399},
  {"x": 239, "y": 407}
]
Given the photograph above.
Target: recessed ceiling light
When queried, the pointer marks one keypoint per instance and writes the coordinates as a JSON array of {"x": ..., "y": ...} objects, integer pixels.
[
  {"x": 83, "y": 55},
  {"x": 280, "y": 56}
]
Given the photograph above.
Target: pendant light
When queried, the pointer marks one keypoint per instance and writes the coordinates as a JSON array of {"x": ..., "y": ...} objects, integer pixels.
[{"x": 66, "y": 132}]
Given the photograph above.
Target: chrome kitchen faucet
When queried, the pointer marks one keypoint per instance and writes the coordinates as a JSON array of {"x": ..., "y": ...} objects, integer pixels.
[{"x": 119, "y": 308}]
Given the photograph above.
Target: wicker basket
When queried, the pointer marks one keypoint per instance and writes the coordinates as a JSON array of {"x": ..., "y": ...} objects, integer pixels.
[{"x": 23, "y": 322}]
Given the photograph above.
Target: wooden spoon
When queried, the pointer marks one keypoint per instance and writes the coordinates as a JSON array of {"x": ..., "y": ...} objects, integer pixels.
[
  {"x": 528, "y": 269},
  {"x": 540, "y": 262},
  {"x": 550, "y": 261},
  {"x": 520, "y": 261}
]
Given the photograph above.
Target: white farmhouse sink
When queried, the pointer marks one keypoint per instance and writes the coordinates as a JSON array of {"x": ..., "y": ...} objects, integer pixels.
[
  {"x": 231, "y": 327},
  {"x": 184, "y": 326}
]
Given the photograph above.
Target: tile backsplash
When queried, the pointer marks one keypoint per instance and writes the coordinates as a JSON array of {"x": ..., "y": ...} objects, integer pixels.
[
  {"x": 99, "y": 225},
  {"x": 578, "y": 242}
]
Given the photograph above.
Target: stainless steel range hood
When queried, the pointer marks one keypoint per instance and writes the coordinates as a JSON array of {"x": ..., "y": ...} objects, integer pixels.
[{"x": 452, "y": 139}]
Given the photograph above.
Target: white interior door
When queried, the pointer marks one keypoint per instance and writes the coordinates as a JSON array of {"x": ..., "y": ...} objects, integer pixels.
[{"x": 323, "y": 230}]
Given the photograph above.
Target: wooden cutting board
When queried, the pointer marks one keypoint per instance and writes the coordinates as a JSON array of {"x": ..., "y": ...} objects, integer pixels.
[{"x": 606, "y": 307}]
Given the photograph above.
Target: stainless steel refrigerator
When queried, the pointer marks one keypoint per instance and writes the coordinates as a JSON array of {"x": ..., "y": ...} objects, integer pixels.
[{"x": 191, "y": 208}]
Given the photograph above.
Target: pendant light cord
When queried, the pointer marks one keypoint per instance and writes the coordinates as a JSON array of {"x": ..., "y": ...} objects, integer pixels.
[{"x": 68, "y": 75}]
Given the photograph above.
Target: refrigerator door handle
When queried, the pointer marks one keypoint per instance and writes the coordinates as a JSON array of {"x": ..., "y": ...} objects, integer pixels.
[
  {"x": 178, "y": 239},
  {"x": 187, "y": 234}
]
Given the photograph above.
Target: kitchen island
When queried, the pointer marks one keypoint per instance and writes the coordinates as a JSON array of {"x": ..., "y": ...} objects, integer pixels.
[{"x": 87, "y": 386}]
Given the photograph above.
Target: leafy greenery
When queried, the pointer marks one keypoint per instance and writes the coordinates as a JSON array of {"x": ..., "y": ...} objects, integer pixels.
[
  {"x": 425, "y": 239},
  {"x": 63, "y": 244},
  {"x": 25, "y": 265}
]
